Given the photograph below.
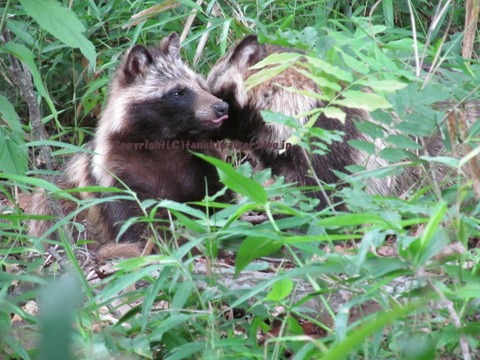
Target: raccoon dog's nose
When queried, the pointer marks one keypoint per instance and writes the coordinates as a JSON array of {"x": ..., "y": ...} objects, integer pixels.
[{"x": 221, "y": 109}]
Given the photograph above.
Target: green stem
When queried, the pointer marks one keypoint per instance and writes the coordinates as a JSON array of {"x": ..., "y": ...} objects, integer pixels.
[{"x": 4, "y": 16}]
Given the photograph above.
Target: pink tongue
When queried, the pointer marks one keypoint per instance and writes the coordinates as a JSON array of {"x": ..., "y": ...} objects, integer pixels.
[{"x": 224, "y": 117}]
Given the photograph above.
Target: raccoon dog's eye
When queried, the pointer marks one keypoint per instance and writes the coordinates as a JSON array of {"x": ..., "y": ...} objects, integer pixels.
[{"x": 178, "y": 92}]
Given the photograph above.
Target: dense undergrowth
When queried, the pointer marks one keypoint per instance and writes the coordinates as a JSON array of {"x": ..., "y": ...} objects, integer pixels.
[{"x": 382, "y": 278}]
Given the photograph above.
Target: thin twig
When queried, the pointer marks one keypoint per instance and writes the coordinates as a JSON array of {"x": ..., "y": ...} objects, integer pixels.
[
  {"x": 149, "y": 246},
  {"x": 189, "y": 22},
  {"x": 471, "y": 21},
  {"x": 415, "y": 42},
  {"x": 204, "y": 38},
  {"x": 455, "y": 320},
  {"x": 4, "y": 16}
]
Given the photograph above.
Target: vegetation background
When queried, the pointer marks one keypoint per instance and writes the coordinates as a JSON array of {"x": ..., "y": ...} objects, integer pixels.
[{"x": 389, "y": 278}]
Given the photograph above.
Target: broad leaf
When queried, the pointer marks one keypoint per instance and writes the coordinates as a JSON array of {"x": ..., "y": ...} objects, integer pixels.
[
  {"x": 333, "y": 112},
  {"x": 362, "y": 100},
  {"x": 253, "y": 248},
  {"x": 280, "y": 290},
  {"x": 264, "y": 75},
  {"x": 330, "y": 69},
  {"x": 62, "y": 23},
  {"x": 13, "y": 152},
  {"x": 10, "y": 116},
  {"x": 403, "y": 142},
  {"x": 384, "y": 85},
  {"x": 277, "y": 58},
  {"x": 236, "y": 181}
]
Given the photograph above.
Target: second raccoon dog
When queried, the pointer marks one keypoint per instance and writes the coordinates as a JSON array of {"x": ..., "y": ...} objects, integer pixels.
[
  {"x": 154, "y": 99},
  {"x": 226, "y": 80}
]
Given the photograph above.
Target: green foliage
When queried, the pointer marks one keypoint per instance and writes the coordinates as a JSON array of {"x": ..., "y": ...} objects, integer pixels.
[
  {"x": 238, "y": 183},
  {"x": 338, "y": 277},
  {"x": 61, "y": 23},
  {"x": 13, "y": 153}
]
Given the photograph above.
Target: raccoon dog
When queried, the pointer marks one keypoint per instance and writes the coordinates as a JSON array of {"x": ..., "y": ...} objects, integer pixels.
[
  {"x": 156, "y": 105},
  {"x": 226, "y": 81}
]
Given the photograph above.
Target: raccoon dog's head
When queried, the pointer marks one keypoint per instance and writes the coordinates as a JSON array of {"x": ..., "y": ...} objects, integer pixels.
[
  {"x": 154, "y": 93},
  {"x": 226, "y": 78}
]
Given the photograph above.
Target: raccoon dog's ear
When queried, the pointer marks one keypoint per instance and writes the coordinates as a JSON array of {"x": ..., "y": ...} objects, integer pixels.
[
  {"x": 170, "y": 46},
  {"x": 137, "y": 63},
  {"x": 247, "y": 53}
]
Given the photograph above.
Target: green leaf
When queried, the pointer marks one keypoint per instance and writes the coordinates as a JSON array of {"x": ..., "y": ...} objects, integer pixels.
[
  {"x": 13, "y": 154},
  {"x": 264, "y": 75},
  {"x": 184, "y": 208},
  {"x": 353, "y": 63},
  {"x": 333, "y": 112},
  {"x": 59, "y": 302},
  {"x": 131, "y": 264},
  {"x": 445, "y": 160},
  {"x": 353, "y": 220},
  {"x": 184, "y": 351},
  {"x": 188, "y": 222},
  {"x": 433, "y": 225},
  {"x": 286, "y": 23},
  {"x": 182, "y": 293},
  {"x": 25, "y": 56},
  {"x": 369, "y": 128},
  {"x": 329, "y": 69},
  {"x": 62, "y": 23},
  {"x": 363, "y": 145},
  {"x": 384, "y": 85},
  {"x": 10, "y": 116},
  {"x": 53, "y": 143},
  {"x": 416, "y": 345},
  {"x": 280, "y": 290},
  {"x": 237, "y": 182},
  {"x": 438, "y": 242},
  {"x": 224, "y": 35},
  {"x": 393, "y": 154},
  {"x": 253, "y": 248},
  {"x": 277, "y": 58},
  {"x": 321, "y": 81},
  {"x": 36, "y": 182},
  {"x": 469, "y": 291},
  {"x": 380, "y": 172},
  {"x": 299, "y": 239},
  {"x": 141, "y": 346},
  {"x": 358, "y": 335},
  {"x": 362, "y": 100},
  {"x": 388, "y": 12},
  {"x": 403, "y": 142},
  {"x": 168, "y": 324}
]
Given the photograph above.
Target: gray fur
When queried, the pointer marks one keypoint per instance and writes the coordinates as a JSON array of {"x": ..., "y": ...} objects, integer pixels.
[{"x": 154, "y": 96}]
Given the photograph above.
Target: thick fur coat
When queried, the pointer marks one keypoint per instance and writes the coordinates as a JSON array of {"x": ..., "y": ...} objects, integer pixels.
[
  {"x": 227, "y": 81},
  {"x": 155, "y": 106}
]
